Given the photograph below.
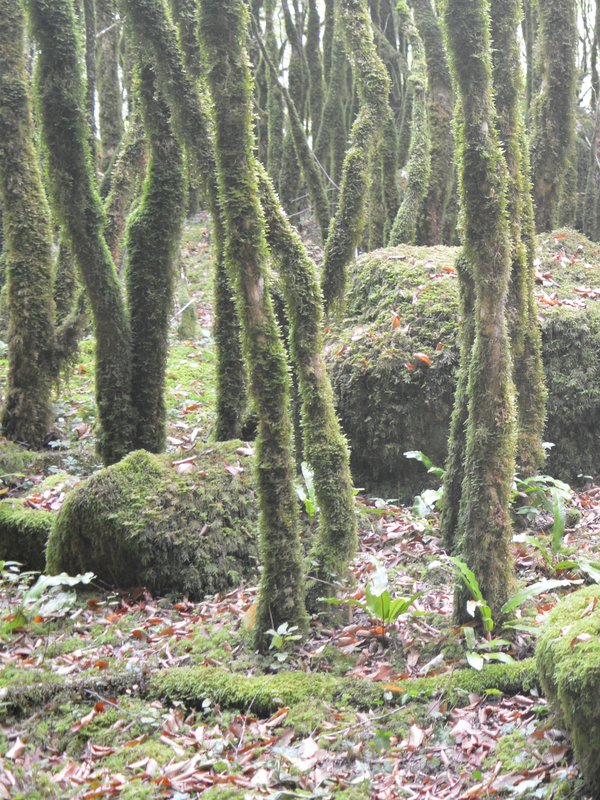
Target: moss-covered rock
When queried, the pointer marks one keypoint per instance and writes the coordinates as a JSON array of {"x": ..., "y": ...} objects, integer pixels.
[
  {"x": 402, "y": 313},
  {"x": 188, "y": 528},
  {"x": 568, "y": 661},
  {"x": 23, "y": 535}
]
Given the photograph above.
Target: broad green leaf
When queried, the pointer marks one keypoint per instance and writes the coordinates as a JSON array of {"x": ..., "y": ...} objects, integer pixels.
[
  {"x": 475, "y": 660},
  {"x": 505, "y": 658},
  {"x": 559, "y": 513},
  {"x": 532, "y": 591}
]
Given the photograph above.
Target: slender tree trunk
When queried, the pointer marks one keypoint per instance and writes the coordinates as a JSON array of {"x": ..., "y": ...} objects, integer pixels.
[
  {"x": 440, "y": 108},
  {"x": 315, "y": 68},
  {"x": 484, "y": 526},
  {"x": 153, "y": 29},
  {"x": 374, "y": 85},
  {"x": 522, "y": 315},
  {"x": 66, "y": 137},
  {"x": 110, "y": 98},
  {"x": 223, "y": 29},
  {"x": 418, "y": 168},
  {"x": 554, "y": 107},
  {"x": 153, "y": 235},
  {"x": 26, "y": 415},
  {"x": 275, "y": 114}
]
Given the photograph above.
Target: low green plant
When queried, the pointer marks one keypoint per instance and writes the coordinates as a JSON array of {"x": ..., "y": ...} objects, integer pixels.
[
  {"x": 479, "y": 604},
  {"x": 48, "y": 596},
  {"x": 426, "y": 503},
  {"x": 379, "y": 603},
  {"x": 282, "y": 640},
  {"x": 306, "y": 492},
  {"x": 481, "y": 651}
]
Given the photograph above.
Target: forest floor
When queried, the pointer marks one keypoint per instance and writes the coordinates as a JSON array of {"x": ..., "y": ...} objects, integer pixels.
[{"x": 81, "y": 717}]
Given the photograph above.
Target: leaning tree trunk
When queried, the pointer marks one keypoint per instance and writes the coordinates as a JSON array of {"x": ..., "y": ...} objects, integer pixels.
[
  {"x": 153, "y": 234},
  {"x": 374, "y": 86},
  {"x": 325, "y": 447},
  {"x": 223, "y": 31},
  {"x": 522, "y": 315},
  {"x": 66, "y": 137},
  {"x": 26, "y": 415},
  {"x": 484, "y": 528},
  {"x": 554, "y": 107},
  {"x": 154, "y": 31}
]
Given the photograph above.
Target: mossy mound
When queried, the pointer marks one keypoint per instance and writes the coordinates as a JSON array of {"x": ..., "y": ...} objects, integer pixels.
[
  {"x": 23, "y": 535},
  {"x": 568, "y": 661},
  {"x": 394, "y": 357},
  {"x": 186, "y": 528}
]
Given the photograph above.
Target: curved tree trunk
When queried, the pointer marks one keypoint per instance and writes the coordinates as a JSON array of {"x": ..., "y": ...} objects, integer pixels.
[
  {"x": 26, "y": 415},
  {"x": 223, "y": 30},
  {"x": 325, "y": 447},
  {"x": 66, "y": 136},
  {"x": 484, "y": 526}
]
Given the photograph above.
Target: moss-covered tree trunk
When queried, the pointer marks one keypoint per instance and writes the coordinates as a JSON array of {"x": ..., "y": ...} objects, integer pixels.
[
  {"x": 330, "y": 144},
  {"x": 440, "y": 108},
  {"x": 314, "y": 61},
  {"x": 26, "y": 415},
  {"x": 522, "y": 315},
  {"x": 554, "y": 107},
  {"x": 325, "y": 447},
  {"x": 373, "y": 86},
  {"x": 66, "y": 137},
  {"x": 223, "y": 31},
  {"x": 88, "y": 23},
  {"x": 153, "y": 233},
  {"x": 311, "y": 170},
  {"x": 110, "y": 99},
  {"x": 275, "y": 115},
  {"x": 155, "y": 31},
  {"x": 484, "y": 525},
  {"x": 418, "y": 168}
]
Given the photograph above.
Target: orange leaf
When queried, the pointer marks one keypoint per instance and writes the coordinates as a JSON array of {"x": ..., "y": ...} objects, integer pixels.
[
  {"x": 424, "y": 358},
  {"x": 410, "y": 367}
]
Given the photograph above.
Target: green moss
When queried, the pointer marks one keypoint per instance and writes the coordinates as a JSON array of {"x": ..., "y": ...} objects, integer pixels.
[
  {"x": 568, "y": 660},
  {"x": 141, "y": 523},
  {"x": 265, "y": 694},
  {"x": 387, "y": 409},
  {"x": 514, "y": 751},
  {"x": 66, "y": 135},
  {"x": 554, "y": 107},
  {"x": 373, "y": 85},
  {"x": 110, "y": 99},
  {"x": 23, "y": 535},
  {"x": 223, "y": 31},
  {"x": 153, "y": 233},
  {"x": 27, "y": 247}
]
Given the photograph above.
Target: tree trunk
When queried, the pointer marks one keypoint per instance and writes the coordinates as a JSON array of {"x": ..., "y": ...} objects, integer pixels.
[
  {"x": 223, "y": 30},
  {"x": 109, "y": 87},
  {"x": 484, "y": 526},
  {"x": 26, "y": 415}
]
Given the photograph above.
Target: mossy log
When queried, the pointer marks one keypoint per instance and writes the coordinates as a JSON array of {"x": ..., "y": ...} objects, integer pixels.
[
  {"x": 568, "y": 661},
  {"x": 23, "y": 535},
  {"x": 404, "y": 301},
  {"x": 260, "y": 694},
  {"x": 184, "y": 529}
]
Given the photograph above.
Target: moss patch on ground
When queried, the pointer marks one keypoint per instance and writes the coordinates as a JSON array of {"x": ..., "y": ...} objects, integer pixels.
[
  {"x": 568, "y": 660},
  {"x": 394, "y": 357},
  {"x": 23, "y": 535},
  {"x": 186, "y": 528}
]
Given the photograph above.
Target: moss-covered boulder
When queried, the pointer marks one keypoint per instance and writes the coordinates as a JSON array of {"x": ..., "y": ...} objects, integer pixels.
[
  {"x": 568, "y": 661},
  {"x": 185, "y": 528},
  {"x": 23, "y": 534},
  {"x": 393, "y": 359}
]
